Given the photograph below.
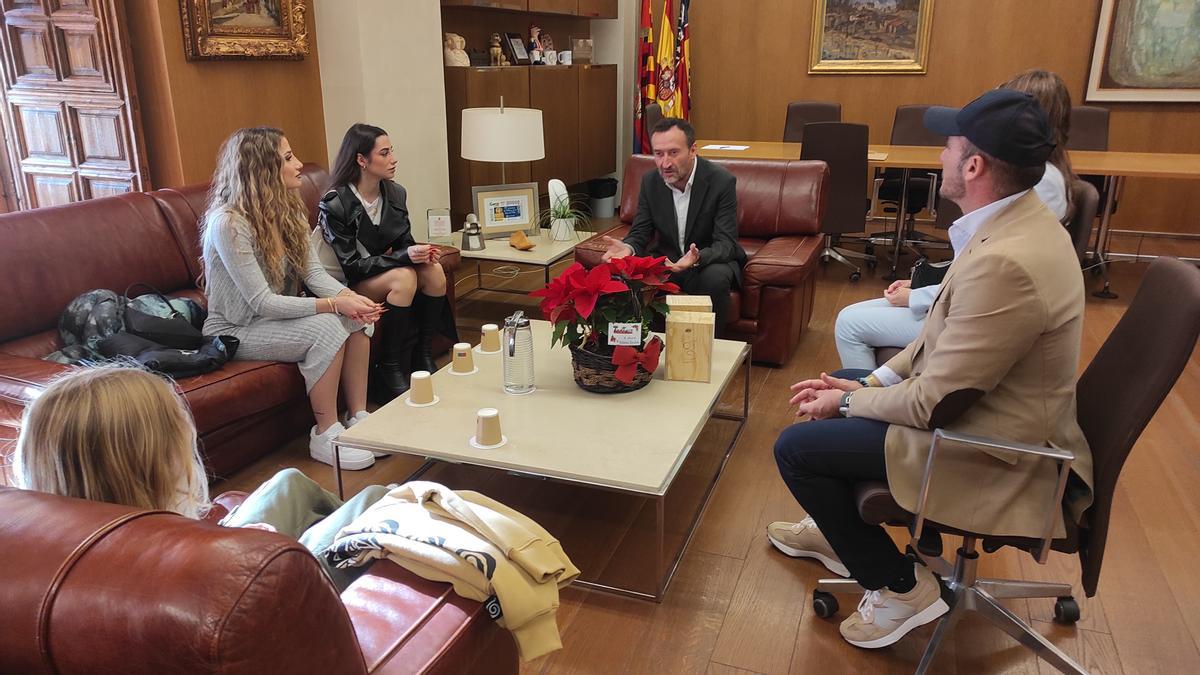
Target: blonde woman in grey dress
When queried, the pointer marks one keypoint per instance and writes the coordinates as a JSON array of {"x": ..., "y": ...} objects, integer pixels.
[{"x": 256, "y": 261}]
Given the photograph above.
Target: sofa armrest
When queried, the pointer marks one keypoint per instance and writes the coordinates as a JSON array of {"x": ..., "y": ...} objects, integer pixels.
[
  {"x": 23, "y": 378},
  {"x": 783, "y": 261},
  {"x": 223, "y": 503},
  {"x": 405, "y": 623},
  {"x": 590, "y": 252}
]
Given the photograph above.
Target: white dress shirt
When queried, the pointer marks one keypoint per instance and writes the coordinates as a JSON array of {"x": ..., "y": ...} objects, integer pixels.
[
  {"x": 960, "y": 233},
  {"x": 683, "y": 198}
]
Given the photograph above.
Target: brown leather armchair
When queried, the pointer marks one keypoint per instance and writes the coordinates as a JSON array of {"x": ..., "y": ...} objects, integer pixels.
[
  {"x": 780, "y": 205},
  {"x": 98, "y": 588}
]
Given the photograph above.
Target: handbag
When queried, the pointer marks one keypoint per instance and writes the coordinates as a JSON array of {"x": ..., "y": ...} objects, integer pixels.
[
  {"x": 156, "y": 318},
  {"x": 925, "y": 273}
]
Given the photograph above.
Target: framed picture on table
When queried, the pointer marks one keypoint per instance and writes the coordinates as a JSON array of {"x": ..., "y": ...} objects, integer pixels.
[
  {"x": 514, "y": 49},
  {"x": 504, "y": 209}
]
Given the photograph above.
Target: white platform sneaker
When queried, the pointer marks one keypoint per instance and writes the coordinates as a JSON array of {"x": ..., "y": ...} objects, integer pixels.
[{"x": 320, "y": 448}]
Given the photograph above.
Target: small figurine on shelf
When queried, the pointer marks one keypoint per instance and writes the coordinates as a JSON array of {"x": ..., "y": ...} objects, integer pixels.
[
  {"x": 454, "y": 50},
  {"x": 535, "y": 44},
  {"x": 497, "y": 53},
  {"x": 549, "y": 56}
]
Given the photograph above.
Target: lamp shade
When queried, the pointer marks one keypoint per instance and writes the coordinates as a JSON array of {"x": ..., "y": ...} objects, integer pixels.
[{"x": 502, "y": 135}]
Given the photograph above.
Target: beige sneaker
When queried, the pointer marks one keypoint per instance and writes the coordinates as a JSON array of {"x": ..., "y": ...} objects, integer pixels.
[
  {"x": 885, "y": 616},
  {"x": 804, "y": 540}
]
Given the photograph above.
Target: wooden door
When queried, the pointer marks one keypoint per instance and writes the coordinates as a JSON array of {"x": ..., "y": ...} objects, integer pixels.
[
  {"x": 597, "y": 120},
  {"x": 70, "y": 119},
  {"x": 550, "y": 90}
]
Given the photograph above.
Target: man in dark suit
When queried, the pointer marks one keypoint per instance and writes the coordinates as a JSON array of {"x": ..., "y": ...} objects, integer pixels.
[{"x": 687, "y": 211}]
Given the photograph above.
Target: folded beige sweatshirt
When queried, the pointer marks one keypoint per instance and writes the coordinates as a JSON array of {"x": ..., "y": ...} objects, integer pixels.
[{"x": 477, "y": 544}]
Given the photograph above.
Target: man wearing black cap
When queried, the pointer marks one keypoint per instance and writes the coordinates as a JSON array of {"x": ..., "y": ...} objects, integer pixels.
[{"x": 996, "y": 357}]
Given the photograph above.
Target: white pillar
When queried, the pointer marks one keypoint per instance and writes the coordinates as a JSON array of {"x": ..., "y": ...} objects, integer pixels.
[{"x": 381, "y": 63}]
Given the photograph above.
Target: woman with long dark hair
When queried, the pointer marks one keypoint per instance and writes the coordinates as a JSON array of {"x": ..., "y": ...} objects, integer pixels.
[{"x": 364, "y": 216}]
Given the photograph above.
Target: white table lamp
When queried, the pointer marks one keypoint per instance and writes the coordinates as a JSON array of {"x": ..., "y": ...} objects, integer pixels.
[{"x": 502, "y": 135}]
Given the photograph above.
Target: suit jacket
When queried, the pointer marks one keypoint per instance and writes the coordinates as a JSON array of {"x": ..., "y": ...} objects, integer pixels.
[
  {"x": 350, "y": 232},
  {"x": 711, "y": 219},
  {"x": 997, "y": 357}
]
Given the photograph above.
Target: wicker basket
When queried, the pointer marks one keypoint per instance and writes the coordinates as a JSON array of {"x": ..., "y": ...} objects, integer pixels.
[{"x": 596, "y": 373}]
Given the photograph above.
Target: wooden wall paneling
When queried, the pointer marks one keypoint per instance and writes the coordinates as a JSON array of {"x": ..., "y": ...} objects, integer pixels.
[
  {"x": 552, "y": 89},
  {"x": 477, "y": 26},
  {"x": 100, "y": 140},
  {"x": 517, "y": 5},
  {"x": 30, "y": 56},
  {"x": 598, "y": 9},
  {"x": 597, "y": 120},
  {"x": 485, "y": 86},
  {"x": 554, "y": 6},
  {"x": 45, "y": 186},
  {"x": 751, "y": 59}
]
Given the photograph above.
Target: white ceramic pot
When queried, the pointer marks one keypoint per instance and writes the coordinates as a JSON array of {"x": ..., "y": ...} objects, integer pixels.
[{"x": 562, "y": 229}]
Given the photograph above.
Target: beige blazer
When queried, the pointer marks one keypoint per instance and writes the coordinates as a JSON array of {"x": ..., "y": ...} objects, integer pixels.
[{"x": 997, "y": 357}]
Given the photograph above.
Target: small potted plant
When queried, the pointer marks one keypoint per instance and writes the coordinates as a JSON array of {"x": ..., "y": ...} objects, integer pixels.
[
  {"x": 603, "y": 316},
  {"x": 563, "y": 216}
]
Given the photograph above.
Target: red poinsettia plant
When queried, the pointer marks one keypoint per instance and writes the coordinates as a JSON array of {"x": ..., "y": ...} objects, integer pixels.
[{"x": 582, "y": 303}]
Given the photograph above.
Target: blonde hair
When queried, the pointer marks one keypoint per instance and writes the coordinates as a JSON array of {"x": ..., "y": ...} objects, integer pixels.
[
  {"x": 249, "y": 181},
  {"x": 113, "y": 434}
]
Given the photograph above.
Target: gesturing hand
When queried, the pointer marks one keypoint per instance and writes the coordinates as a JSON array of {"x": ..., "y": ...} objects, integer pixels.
[
  {"x": 358, "y": 308},
  {"x": 616, "y": 248},
  {"x": 689, "y": 259}
]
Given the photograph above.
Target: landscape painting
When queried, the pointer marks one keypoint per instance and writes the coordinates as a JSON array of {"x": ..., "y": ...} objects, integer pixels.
[
  {"x": 870, "y": 36},
  {"x": 244, "y": 29}
]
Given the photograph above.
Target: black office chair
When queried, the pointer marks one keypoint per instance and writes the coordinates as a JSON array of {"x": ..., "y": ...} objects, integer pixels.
[
  {"x": 1113, "y": 409},
  {"x": 1089, "y": 131},
  {"x": 651, "y": 116},
  {"x": 800, "y": 113},
  {"x": 844, "y": 148}
]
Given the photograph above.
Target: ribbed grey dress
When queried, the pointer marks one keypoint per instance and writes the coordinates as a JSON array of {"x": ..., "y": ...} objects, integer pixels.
[{"x": 272, "y": 324}]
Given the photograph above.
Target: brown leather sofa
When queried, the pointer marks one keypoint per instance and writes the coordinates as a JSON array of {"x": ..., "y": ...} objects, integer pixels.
[
  {"x": 98, "y": 588},
  {"x": 49, "y": 256},
  {"x": 780, "y": 206}
]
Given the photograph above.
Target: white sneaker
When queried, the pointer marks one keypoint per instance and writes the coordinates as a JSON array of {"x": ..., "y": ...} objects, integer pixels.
[
  {"x": 884, "y": 616},
  {"x": 320, "y": 448},
  {"x": 804, "y": 540},
  {"x": 357, "y": 417}
]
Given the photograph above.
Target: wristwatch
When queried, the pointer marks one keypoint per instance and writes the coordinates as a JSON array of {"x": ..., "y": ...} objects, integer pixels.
[{"x": 844, "y": 406}]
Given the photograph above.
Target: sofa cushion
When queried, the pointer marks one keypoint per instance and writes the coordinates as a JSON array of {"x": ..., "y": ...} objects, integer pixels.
[
  {"x": 240, "y": 389},
  {"x": 51, "y": 255}
]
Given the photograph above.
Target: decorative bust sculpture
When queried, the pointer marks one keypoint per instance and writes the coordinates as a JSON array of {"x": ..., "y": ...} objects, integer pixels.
[{"x": 454, "y": 50}]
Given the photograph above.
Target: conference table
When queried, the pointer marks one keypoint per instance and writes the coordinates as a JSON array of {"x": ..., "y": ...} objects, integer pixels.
[{"x": 1112, "y": 164}]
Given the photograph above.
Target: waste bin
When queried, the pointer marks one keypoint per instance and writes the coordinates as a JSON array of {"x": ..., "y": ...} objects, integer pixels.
[{"x": 603, "y": 192}]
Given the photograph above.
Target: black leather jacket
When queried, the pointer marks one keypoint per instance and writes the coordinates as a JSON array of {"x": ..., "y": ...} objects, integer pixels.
[{"x": 344, "y": 220}]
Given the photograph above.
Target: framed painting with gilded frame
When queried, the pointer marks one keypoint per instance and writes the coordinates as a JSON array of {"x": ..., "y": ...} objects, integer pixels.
[
  {"x": 1146, "y": 51},
  {"x": 869, "y": 37},
  {"x": 244, "y": 29},
  {"x": 504, "y": 209}
]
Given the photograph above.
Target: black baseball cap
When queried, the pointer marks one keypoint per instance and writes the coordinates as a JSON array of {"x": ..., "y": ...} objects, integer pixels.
[{"x": 1006, "y": 124}]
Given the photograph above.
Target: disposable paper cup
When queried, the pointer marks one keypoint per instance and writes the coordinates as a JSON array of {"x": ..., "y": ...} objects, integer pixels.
[
  {"x": 464, "y": 362},
  {"x": 491, "y": 339},
  {"x": 487, "y": 427},
  {"x": 420, "y": 388}
]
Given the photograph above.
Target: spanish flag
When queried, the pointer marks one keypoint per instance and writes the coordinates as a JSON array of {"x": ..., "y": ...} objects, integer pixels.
[
  {"x": 683, "y": 60},
  {"x": 645, "y": 93},
  {"x": 666, "y": 90}
]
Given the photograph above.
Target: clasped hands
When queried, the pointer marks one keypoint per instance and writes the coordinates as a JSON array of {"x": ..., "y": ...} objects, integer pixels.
[
  {"x": 357, "y": 307},
  {"x": 821, "y": 398},
  {"x": 619, "y": 249},
  {"x": 424, "y": 253},
  {"x": 897, "y": 293}
]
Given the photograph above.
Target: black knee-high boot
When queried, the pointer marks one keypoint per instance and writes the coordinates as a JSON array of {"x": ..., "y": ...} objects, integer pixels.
[
  {"x": 429, "y": 315},
  {"x": 391, "y": 372}
]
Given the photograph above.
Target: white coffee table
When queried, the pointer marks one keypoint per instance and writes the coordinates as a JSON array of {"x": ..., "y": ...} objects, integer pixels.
[
  {"x": 633, "y": 442},
  {"x": 544, "y": 254}
]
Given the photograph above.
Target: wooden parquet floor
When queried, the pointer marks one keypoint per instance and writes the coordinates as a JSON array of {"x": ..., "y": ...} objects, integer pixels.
[{"x": 738, "y": 606}]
